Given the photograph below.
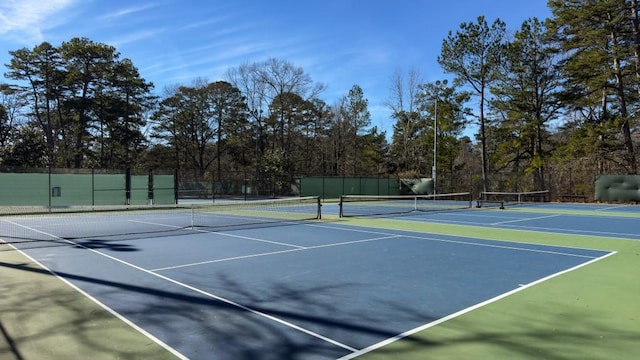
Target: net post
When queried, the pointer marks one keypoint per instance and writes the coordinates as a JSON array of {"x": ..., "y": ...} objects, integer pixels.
[
  {"x": 176, "y": 186},
  {"x": 340, "y": 213},
  {"x": 193, "y": 214},
  {"x": 93, "y": 186},
  {"x": 127, "y": 185},
  {"x": 49, "y": 190},
  {"x": 150, "y": 187}
]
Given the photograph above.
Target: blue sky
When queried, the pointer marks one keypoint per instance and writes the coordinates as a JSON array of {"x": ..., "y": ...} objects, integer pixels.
[{"x": 339, "y": 43}]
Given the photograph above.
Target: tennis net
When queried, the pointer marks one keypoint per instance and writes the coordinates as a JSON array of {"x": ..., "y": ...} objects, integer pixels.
[
  {"x": 381, "y": 205},
  {"x": 504, "y": 198},
  {"x": 32, "y": 223}
]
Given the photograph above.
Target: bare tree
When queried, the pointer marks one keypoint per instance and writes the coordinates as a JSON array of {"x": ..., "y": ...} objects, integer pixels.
[{"x": 404, "y": 105}]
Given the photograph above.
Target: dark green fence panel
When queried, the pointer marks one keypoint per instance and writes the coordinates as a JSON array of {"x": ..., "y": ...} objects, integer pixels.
[
  {"x": 351, "y": 186},
  {"x": 164, "y": 190},
  {"x": 388, "y": 186},
  {"x": 373, "y": 186},
  {"x": 71, "y": 189},
  {"x": 31, "y": 189},
  {"x": 333, "y": 187},
  {"x": 109, "y": 189},
  {"x": 312, "y": 186},
  {"x": 139, "y": 189}
]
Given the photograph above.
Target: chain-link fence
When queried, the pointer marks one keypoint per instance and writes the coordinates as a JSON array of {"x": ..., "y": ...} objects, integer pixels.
[{"x": 233, "y": 185}]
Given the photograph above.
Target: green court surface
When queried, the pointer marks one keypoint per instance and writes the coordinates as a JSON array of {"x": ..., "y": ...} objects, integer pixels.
[
  {"x": 42, "y": 317},
  {"x": 592, "y": 312}
]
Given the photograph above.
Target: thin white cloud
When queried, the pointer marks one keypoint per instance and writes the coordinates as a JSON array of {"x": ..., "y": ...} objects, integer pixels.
[
  {"x": 27, "y": 19},
  {"x": 127, "y": 11},
  {"x": 205, "y": 23},
  {"x": 135, "y": 36}
]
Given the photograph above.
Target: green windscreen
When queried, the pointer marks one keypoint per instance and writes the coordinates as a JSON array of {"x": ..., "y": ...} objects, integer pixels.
[
  {"x": 24, "y": 189},
  {"x": 64, "y": 189},
  {"x": 164, "y": 190},
  {"x": 139, "y": 189},
  {"x": 333, "y": 187},
  {"x": 109, "y": 189},
  {"x": 74, "y": 189},
  {"x": 623, "y": 188}
]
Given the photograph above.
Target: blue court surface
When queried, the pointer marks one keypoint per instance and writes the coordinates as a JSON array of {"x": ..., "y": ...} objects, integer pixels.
[
  {"x": 295, "y": 290},
  {"x": 617, "y": 221}
]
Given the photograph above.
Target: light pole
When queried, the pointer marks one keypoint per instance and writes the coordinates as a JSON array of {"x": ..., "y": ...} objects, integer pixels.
[
  {"x": 434, "y": 170},
  {"x": 258, "y": 133}
]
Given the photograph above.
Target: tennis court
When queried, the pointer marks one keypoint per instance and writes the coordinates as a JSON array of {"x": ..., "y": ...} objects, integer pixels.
[
  {"x": 274, "y": 282},
  {"x": 602, "y": 220}
]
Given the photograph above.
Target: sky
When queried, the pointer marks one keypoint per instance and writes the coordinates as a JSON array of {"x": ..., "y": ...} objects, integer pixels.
[{"x": 338, "y": 43}]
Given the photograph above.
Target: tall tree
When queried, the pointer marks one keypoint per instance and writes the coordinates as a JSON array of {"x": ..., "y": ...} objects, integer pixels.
[
  {"x": 88, "y": 66},
  {"x": 526, "y": 101},
  {"x": 317, "y": 138},
  {"x": 185, "y": 120},
  {"x": 357, "y": 115},
  {"x": 120, "y": 108},
  {"x": 198, "y": 120},
  {"x": 28, "y": 149},
  {"x": 76, "y": 94},
  {"x": 473, "y": 55},
  {"x": 10, "y": 106},
  {"x": 600, "y": 42},
  {"x": 265, "y": 85},
  {"x": 229, "y": 115},
  {"x": 280, "y": 78},
  {"x": 40, "y": 74}
]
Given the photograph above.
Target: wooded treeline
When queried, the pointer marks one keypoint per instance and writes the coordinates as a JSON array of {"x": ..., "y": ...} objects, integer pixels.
[{"x": 556, "y": 97}]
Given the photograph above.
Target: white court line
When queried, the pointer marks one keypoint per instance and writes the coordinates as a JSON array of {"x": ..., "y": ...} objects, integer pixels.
[
  {"x": 273, "y": 318},
  {"x": 612, "y": 207},
  {"x": 274, "y": 253},
  {"x": 464, "y": 311},
  {"x": 525, "y": 219},
  {"x": 471, "y": 243},
  {"x": 192, "y": 288},
  {"x": 561, "y": 231},
  {"x": 485, "y": 215},
  {"x": 221, "y": 233},
  {"x": 385, "y": 236},
  {"x": 298, "y": 247},
  {"x": 91, "y": 298}
]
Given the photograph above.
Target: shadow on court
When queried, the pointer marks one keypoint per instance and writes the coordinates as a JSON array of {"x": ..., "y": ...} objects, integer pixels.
[
  {"x": 234, "y": 339},
  {"x": 41, "y": 316},
  {"x": 113, "y": 241}
]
